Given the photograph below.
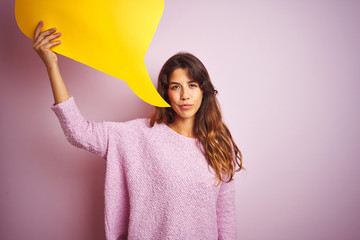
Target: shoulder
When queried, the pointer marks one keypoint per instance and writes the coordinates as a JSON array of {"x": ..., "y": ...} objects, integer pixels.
[
  {"x": 133, "y": 133},
  {"x": 134, "y": 126},
  {"x": 139, "y": 123}
]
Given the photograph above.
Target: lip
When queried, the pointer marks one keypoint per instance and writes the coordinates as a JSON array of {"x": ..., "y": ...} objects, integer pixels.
[{"x": 186, "y": 106}]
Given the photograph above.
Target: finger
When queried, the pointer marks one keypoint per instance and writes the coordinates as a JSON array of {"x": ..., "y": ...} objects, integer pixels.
[
  {"x": 49, "y": 38},
  {"x": 54, "y": 43},
  {"x": 44, "y": 34},
  {"x": 38, "y": 29},
  {"x": 47, "y": 47}
]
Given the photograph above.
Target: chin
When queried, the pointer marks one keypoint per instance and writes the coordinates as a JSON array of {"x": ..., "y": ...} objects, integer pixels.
[{"x": 186, "y": 116}]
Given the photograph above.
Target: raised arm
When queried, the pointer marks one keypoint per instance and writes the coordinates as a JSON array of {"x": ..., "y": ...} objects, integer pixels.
[
  {"x": 90, "y": 135},
  {"x": 43, "y": 42}
]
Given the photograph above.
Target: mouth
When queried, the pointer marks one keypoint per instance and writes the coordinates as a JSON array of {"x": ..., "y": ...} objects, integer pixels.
[{"x": 186, "y": 106}]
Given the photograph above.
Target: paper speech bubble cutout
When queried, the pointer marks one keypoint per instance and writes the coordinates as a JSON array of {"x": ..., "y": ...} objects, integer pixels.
[{"x": 110, "y": 35}]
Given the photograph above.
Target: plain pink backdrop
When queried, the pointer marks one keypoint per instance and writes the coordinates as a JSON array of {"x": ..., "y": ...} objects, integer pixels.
[{"x": 288, "y": 77}]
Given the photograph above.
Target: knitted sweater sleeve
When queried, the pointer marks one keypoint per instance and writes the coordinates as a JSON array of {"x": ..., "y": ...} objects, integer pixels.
[
  {"x": 92, "y": 136},
  {"x": 225, "y": 211}
]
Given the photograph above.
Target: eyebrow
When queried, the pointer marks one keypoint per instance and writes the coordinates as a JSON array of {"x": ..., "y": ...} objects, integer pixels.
[{"x": 179, "y": 83}]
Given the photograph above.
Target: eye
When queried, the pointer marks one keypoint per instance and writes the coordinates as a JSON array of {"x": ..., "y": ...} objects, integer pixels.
[
  {"x": 193, "y": 85},
  {"x": 175, "y": 87}
]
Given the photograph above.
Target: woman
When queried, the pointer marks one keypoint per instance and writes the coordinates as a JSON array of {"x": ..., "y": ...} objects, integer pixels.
[{"x": 167, "y": 177}]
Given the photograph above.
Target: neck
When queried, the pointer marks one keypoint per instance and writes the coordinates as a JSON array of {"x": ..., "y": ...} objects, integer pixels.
[{"x": 184, "y": 127}]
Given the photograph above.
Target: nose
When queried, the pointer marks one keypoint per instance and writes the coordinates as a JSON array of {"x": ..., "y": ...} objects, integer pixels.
[{"x": 184, "y": 94}]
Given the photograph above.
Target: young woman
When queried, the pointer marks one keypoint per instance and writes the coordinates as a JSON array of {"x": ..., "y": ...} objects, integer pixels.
[{"x": 167, "y": 177}]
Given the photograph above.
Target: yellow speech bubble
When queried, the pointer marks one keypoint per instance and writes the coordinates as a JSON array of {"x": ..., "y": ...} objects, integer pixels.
[{"x": 111, "y": 36}]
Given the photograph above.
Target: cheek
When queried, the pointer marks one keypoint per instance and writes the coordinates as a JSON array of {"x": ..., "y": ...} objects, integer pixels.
[
  {"x": 200, "y": 97},
  {"x": 171, "y": 97}
]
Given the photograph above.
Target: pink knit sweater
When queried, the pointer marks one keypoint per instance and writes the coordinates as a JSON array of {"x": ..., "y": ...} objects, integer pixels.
[{"x": 158, "y": 184}]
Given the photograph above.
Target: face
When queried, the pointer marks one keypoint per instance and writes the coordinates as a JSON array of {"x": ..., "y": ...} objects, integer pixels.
[{"x": 184, "y": 94}]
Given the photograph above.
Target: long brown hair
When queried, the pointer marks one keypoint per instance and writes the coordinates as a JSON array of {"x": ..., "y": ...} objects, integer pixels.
[{"x": 219, "y": 148}]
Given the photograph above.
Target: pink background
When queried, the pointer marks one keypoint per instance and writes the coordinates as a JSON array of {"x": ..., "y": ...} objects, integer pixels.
[{"x": 289, "y": 81}]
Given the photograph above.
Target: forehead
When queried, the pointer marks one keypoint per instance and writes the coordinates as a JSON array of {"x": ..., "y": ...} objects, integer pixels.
[{"x": 180, "y": 75}]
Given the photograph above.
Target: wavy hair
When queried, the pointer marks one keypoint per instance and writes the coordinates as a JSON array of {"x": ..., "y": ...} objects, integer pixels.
[{"x": 218, "y": 146}]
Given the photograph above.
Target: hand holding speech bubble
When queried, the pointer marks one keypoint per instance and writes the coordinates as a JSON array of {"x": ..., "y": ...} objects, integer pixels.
[{"x": 111, "y": 36}]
